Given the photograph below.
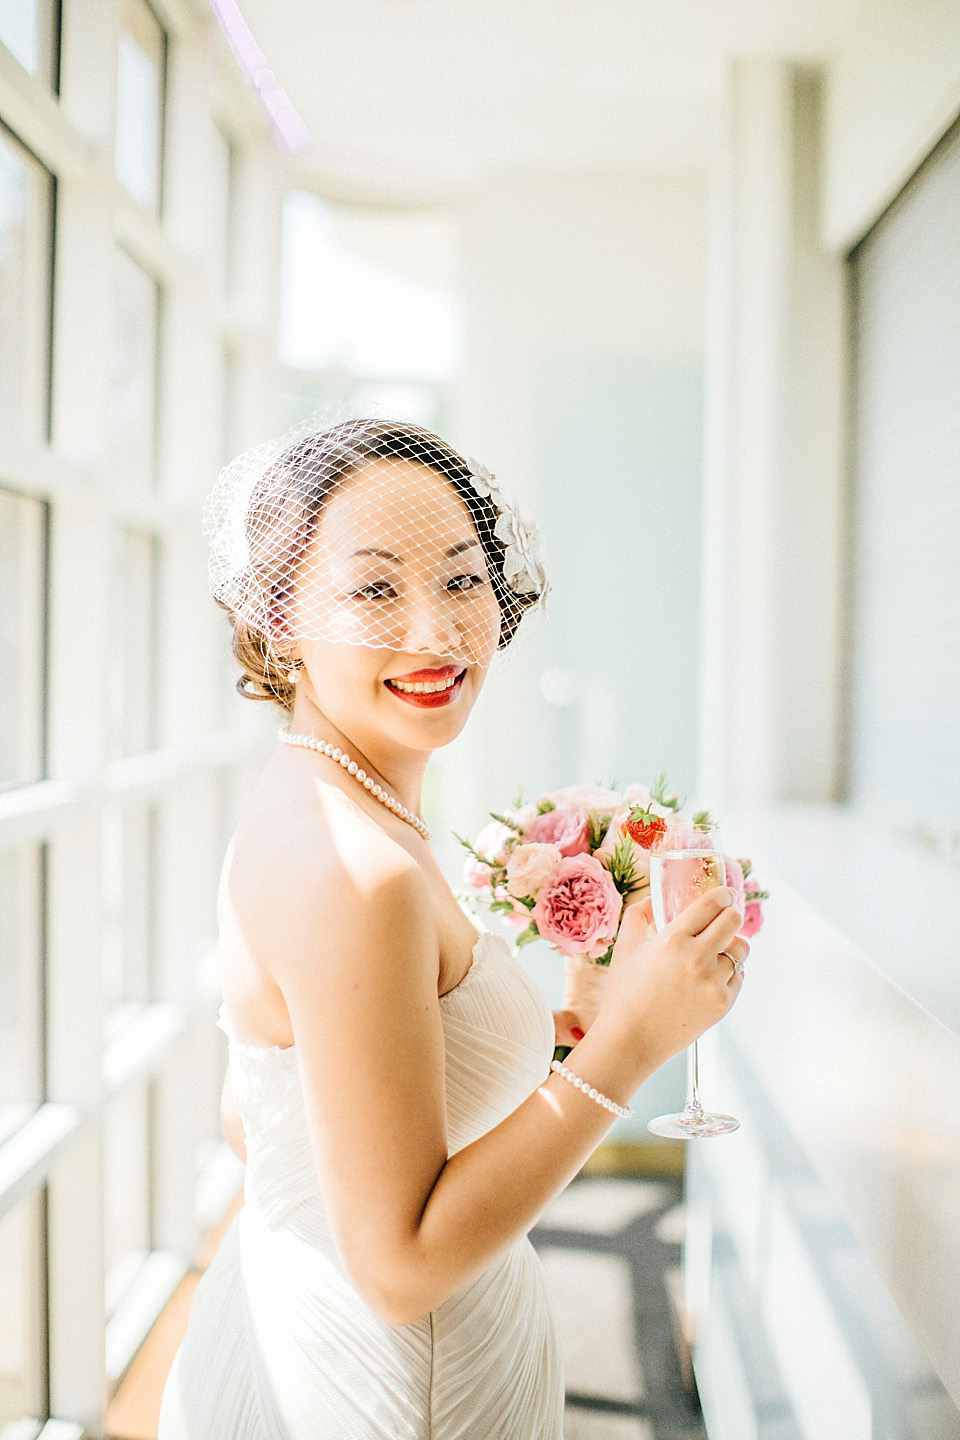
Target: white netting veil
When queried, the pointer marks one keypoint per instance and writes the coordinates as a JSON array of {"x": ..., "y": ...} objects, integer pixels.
[{"x": 369, "y": 532}]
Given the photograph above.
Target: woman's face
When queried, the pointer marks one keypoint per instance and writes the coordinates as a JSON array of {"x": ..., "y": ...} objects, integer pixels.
[{"x": 394, "y": 613}]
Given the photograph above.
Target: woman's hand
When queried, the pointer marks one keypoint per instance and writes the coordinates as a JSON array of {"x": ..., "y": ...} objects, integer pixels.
[
  {"x": 664, "y": 991},
  {"x": 567, "y": 1028}
]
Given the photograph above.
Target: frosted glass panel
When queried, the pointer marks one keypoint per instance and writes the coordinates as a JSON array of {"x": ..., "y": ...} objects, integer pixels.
[
  {"x": 21, "y": 1332},
  {"x": 132, "y": 654},
  {"x": 21, "y": 958},
  {"x": 140, "y": 66},
  {"x": 25, "y": 241},
  {"x": 127, "y": 858},
  {"x": 133, "y": 375},
  {"x": 904, "y": 748},
  {"x": 126, "y": 1165},
  {"x": 22, "y": 585},
  {"x": 29, "y": 31}
]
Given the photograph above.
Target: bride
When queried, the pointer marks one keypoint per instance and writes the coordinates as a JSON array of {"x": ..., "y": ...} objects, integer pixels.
[{"x": 389, "y": 1065}]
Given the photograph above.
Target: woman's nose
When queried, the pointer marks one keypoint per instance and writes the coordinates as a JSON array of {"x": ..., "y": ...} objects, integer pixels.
[{"x": 430, "y": 627}]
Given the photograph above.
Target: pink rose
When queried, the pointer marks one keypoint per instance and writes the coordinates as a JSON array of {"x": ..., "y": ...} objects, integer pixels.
[
  {"x": 565, "y": 827},
  {"x": 530, "y": 867},
  {"x": 476, "y": 875},
  {"x": 494, "y": 842},
  {"x": 752, "y": 919},
  {"x": 578, "y": 911}
]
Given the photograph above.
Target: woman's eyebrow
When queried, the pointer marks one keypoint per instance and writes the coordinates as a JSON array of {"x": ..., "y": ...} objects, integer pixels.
[
  {"x": 448, "y": 554},
  {"x": 384, "y": 555}
]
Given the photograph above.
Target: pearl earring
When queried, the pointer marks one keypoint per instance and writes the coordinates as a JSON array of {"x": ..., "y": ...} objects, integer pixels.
[{"x": 293, "y": 674}]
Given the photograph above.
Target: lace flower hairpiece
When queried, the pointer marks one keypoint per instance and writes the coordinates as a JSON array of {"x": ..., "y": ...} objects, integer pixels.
[{"x": 523, "y": 567}]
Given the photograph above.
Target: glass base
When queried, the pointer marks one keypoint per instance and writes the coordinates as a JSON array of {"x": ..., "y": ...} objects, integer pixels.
[{"x": 692, "y": 1125}]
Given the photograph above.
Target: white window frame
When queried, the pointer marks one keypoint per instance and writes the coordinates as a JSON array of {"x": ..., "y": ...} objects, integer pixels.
[{"x": 202, "y": 745}]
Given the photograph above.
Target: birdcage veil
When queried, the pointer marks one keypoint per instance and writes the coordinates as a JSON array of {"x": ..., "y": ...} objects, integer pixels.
[{"x": 371, "y": 531}]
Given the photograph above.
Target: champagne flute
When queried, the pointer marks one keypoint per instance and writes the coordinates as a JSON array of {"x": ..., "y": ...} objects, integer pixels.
[{"x": 688, "y": 861}]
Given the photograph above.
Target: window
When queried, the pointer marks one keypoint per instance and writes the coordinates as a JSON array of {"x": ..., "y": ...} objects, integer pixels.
[
  {"x": 369, "y": 317},
  {"x": 132, "y": 652},
  {"x": 29, "y": 30},
  {"x": 904, "y": 726},
  {"x": 26, "y": 217},
  {"x": 133, "y": 377},
  {"x": 22, "y": 1328},
  {"x": 21, "y": 971},
  {"x": 22, "y": 612},
  {"x": 127, "y": 1173},
  {"x": 128, "y": 855},
  {"x": 141, "y": 63}
]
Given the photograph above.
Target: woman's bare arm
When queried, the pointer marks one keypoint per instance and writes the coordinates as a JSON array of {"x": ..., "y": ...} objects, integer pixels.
[{"x": 358, "y": 968}]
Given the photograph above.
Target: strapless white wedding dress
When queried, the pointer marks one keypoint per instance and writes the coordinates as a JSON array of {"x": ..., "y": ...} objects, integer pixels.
[{"x": 280, "y": 1344}]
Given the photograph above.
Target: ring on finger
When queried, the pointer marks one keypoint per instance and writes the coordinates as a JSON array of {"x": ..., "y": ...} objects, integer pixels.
[{"x": 737, "y": 964}]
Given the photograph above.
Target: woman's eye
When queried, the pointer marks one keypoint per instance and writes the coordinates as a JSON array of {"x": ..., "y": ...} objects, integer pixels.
[
  {"x": 376, "y": 590},
  {"x": 464, "y": 582}
]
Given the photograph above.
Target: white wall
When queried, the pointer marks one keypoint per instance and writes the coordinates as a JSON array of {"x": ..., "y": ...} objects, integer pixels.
[
  {"x": 893, "y": 87},
  {"x": 584, "y": 299}
]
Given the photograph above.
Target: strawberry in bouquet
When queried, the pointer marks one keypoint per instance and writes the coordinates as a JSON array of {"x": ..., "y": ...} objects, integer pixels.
[{"x": 564, "y": 869}]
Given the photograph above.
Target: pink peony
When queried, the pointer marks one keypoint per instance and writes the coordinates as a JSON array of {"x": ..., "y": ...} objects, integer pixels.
[
  {"x": 578, "y": 911},
  {"x": 752, "y": 919},
  {"x": 530, "y": 867},
  {"x": 565, "y": 827}
]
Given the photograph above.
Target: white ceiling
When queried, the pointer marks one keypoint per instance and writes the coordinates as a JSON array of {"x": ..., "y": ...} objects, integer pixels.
[{"x": 415, "y": 97}]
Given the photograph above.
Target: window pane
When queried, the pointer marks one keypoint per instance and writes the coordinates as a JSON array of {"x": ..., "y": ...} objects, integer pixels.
[
  {"x": 140, "y": 66},
  {"x": 22, "y": 1340},
  {"x": 132, "y": 659},
  {"x": 26, "y": 211},
  {"x": 127, "y": 858},
  {"x": 133, "y": 374},
  {"x": 126, "y": 1160},
  {"x": 21, "y": 979},
  {"x": 27, "y": 28},
  {"x": 220, "y": 203},
  {"x": 22, "y": 593}
]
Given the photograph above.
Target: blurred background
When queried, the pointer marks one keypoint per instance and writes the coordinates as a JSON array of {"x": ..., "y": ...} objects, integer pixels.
[{"x": 686, "y": 276}]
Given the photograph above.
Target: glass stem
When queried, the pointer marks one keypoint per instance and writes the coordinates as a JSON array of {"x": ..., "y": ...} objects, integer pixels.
[{"x": 693, "y": 1080}]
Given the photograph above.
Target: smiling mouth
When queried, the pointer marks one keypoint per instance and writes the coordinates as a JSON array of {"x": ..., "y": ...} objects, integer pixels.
[{"x": 430, "y": 687}]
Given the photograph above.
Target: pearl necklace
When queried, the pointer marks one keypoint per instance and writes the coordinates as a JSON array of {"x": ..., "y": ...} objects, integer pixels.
[{"x": 308, "y": 742}]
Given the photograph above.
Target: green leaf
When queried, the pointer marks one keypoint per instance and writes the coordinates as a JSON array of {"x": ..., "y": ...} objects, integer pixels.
[
  {"x": 605, "y": 958},
  {"x": 507, "y": 820},
  {"x": 659, "y": 796},
  {"x": 598, "y": 822},
  {"x": 544, "y": 806},
  {"x": 518, "y": 798},
  {"x": 560, "y": 1052},
  {"x": 526, "y": 937},
  {"x": 467, "y": 846}
]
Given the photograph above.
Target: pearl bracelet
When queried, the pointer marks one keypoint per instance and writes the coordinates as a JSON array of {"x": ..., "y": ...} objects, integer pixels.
[{"x": 603, "y": 1100}]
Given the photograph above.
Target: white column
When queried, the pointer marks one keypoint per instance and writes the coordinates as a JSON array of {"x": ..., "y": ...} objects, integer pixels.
[{"x": 773, "y": 457}]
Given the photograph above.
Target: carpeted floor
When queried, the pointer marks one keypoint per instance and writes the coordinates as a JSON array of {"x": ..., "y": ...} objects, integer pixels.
[{"x": 610, "y": 1247}]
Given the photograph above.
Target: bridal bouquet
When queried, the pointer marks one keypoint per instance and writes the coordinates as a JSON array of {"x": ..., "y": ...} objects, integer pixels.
[{"x": 565, "y": 868}]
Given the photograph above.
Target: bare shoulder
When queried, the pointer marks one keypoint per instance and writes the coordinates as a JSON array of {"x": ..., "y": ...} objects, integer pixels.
[{"x": 311, "y": 879}]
